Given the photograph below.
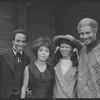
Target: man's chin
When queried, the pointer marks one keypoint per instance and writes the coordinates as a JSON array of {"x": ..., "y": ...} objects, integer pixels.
[
  {"x": 87, "y": 43},
  {"x": 20, "y": 50}
]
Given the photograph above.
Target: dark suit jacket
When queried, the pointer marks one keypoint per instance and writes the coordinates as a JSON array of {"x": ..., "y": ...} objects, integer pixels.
[{"x": 7, "y": 71}]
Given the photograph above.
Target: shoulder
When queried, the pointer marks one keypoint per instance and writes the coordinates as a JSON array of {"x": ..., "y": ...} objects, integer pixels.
[
  {"x": 50, "y": 66},
  {"x": 5, "y": 51},
  {"x": 97, "y": 48},
  {"x": 31, "y": 66},
  {"x": 26, "y": 58},
  {"x": 25, "y": 55},
  {"x": 26, "y": 68},
  {"x": 82, "y": 49}
]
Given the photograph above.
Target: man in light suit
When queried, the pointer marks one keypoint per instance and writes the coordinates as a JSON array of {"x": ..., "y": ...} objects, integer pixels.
[
  {"x": 88, "y": 85},
  {"x": 12, "y": 65}
]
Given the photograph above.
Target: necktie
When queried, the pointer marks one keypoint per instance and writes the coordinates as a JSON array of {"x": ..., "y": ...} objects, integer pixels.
[{"x": 18, "y": 55}]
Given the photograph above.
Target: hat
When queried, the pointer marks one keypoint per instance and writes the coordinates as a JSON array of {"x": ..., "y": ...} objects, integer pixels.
[{"x": 68, "y": 38}]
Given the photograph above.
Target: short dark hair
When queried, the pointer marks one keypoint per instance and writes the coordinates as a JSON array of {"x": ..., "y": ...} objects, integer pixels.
[
  {"x": 42, "y": 41},
  {"x": 22, "y": 31}
]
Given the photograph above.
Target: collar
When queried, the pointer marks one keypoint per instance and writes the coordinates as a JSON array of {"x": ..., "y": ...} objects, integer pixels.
[
  {"x": 92, "y": 45},
  {"x": 14, "y": 51}
]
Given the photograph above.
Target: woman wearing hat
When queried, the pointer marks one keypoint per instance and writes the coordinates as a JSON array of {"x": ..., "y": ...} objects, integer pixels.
[{"x": 65, "y": 62}]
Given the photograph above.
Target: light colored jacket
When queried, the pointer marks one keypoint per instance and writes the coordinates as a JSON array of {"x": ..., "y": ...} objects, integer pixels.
[{"x": 65, "y": 86}]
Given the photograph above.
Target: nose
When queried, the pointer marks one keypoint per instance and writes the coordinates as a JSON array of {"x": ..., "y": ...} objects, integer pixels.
[
  {"x": 20, "y": 43},
  {"x": 64, "y": 48},
  {"x": 43, "y": 52}
]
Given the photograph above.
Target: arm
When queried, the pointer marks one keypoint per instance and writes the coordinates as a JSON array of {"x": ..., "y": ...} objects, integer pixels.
[{"x": 25, "y": 82}]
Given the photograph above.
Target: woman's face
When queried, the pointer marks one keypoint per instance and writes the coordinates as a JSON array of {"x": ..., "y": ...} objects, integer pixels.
[
  {"x": 43, "y": 53},
  {"x": 65, "y": 50}
]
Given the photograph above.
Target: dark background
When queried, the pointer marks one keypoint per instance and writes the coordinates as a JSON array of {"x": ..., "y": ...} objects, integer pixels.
[{"x": 44, "y": 18}]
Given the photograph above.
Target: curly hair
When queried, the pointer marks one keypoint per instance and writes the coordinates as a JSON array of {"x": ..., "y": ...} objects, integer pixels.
[
  {"x": 58, "y": 55},
  {"x": 42, "y": 41}
]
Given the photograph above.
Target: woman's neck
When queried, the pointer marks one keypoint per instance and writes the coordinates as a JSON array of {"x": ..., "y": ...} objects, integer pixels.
[
  {"x": 41, "y": 66},
  {"x": 67, "y": 57},
  {"x": 40, "y": 63}
]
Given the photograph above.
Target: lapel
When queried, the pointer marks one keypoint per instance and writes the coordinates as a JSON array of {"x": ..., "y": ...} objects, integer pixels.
[
  {"x": 70, "y": 74},
  {"x": 64, "y": 80},
  {"x": 23, "y": 61},
  {"x": 10, "y": 59},
  {"x": 60, "y": 77}
]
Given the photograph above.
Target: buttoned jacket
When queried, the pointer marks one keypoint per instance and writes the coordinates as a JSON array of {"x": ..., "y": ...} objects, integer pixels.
[{"x": 7, "y": 71}]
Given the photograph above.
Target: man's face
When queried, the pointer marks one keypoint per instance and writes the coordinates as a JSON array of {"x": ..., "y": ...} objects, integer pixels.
[
  {"x": 19, "y": 42},
  {"x": 87, "y": 35}
]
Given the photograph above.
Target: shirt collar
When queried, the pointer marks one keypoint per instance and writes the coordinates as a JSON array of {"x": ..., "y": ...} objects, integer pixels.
[
  {"x": 92, "y": 45},
  {"x": 14, "y": 51}
]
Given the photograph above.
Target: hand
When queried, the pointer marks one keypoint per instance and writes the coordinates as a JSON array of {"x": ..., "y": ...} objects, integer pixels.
[{"x": 28, "y": 91}]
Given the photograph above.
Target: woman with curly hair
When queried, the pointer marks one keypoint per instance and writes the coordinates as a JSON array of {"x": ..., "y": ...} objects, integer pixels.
[
  {"x": 39, "y": 75},
  {"x": 65, "y": 66}
]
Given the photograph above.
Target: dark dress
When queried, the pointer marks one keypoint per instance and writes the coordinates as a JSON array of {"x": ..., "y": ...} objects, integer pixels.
[{"x": 41, "y": 84}]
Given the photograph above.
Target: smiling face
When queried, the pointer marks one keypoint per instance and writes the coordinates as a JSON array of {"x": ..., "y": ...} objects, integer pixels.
[
  {"x": 65, "y": 50},
  {"x": 87, "y": 35},
  {"x": 43, "y": 53},
  {"x": 19, "y": 42}
]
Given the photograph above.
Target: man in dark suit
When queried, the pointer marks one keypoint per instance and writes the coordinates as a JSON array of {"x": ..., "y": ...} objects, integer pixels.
[{"x": 12, "y": 64}]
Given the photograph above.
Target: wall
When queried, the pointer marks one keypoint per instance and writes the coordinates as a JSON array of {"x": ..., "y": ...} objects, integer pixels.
[
  {"x": 40, "y": 21},
  {"x": 44, "y": 18},
  {"x": 7, "y": 23},
  {"x": 69, "y": 13},
  {"x": 37, "y": 19}
]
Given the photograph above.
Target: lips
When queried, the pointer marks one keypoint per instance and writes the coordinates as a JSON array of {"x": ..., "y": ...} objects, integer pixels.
[
  {"x": 20, "y": 47},
  {"x": 64, "y": 53},
  {"x": 43, "y": 56}
]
